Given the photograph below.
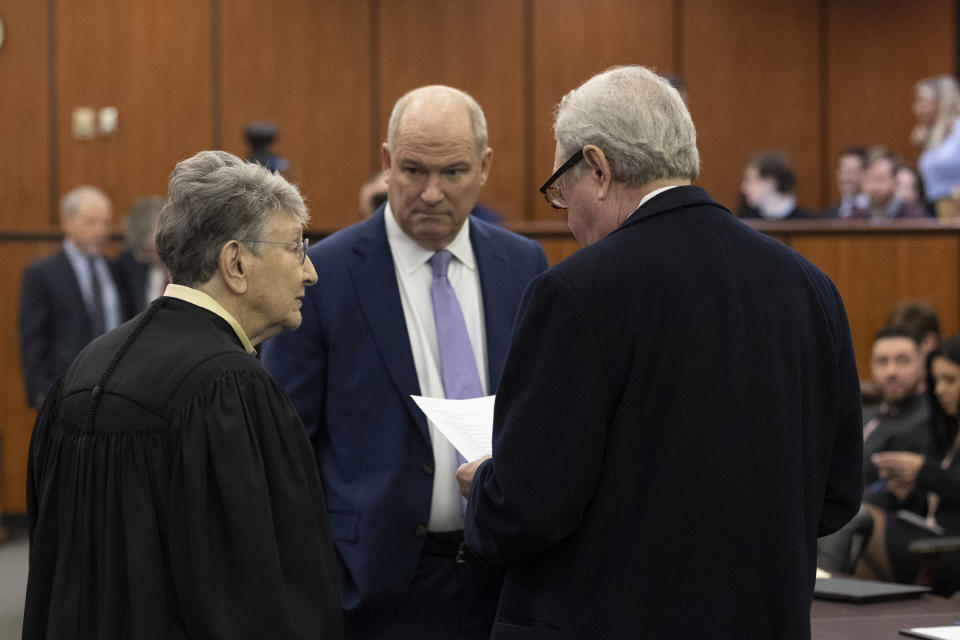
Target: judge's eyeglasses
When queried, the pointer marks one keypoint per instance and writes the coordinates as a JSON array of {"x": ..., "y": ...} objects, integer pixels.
[{"x": 300, "y": 248}]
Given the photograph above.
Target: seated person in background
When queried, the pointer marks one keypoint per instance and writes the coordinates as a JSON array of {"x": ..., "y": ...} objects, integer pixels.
[
  {"x": 879, "y": 184},
  {"x": 899, "y": 422},
  {"x": 141, "y": 276},
  {"x": 373, "y": 194},
  {"x": 909, "y": 186},
  {"x": 928, "y": 485},
  {"x": 919, "y": 318},
  {"x": 768, "y": 189},
  {"x": 849, "y": 174}
]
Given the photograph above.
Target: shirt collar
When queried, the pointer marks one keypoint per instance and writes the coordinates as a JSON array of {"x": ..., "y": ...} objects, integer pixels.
[
  {"x": 73, "y": 251},
  {"x": 778, "y": 208},
  {"x": 204, "y": 301},
  {"x": 655, "y": 192},
  {"x": 410, "y": 256}
]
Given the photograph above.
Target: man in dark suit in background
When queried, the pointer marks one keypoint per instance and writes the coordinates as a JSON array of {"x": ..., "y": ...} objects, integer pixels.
[
  {"x": 69, "y": 298},
  {"x": 678, "y": 417},
  {"x": 849, "y": 175},
  {"x": 406, "y": 299}
]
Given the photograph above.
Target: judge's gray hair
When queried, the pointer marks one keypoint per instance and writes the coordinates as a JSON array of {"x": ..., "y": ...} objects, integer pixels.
[
  {"x": 213, "y": 198},
  {"x": 477, "y": 120},
  {"x": 637, "y": 119}
]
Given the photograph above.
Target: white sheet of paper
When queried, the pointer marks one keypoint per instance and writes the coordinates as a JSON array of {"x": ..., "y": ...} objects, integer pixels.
[
  {"x": 934, "y": 633},
  {"x": 467, "y": 424}
]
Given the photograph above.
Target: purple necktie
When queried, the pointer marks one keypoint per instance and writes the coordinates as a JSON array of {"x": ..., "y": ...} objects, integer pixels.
[{"x": 458, "y": 368}]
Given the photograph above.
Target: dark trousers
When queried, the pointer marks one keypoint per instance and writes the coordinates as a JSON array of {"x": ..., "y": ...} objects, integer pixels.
[{"x": 446, "y": 601}]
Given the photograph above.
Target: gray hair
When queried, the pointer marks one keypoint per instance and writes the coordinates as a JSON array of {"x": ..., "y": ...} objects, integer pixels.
[
  {"x": 213, "y": 198},
  {"x": 139, "y": 224},
  {"x": 71, "y": 201},
  {"x": 477, "y": 120},
  {"x": 637, "y": 119}
]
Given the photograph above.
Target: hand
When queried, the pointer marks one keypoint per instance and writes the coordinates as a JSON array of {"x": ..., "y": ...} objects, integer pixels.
[
  {"x": 465, "y": 475},
  {"x": 898, "y": 466},
  {"x": 900, "y": 489}
]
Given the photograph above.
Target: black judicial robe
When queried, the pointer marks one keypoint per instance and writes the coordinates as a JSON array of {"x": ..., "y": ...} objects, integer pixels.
[{"x": 172, "y": 493}]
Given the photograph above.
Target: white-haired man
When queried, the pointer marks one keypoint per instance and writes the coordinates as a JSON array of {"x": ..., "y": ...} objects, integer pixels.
[
  {"x": 678, "y": 418},
  {"x": 69, "y": 298}
]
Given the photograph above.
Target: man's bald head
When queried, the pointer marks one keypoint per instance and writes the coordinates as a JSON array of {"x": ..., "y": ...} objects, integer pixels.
[
  {"x": 426, "y": 105},
  {"x": 435, "y": 160}
]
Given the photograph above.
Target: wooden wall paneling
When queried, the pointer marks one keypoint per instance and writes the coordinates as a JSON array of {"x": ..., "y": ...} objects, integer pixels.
[
  {"x": 876, "y": 53},
  {"x": 305, "y": 66},
  {"x": 753, "y": 83},
  {"x": 24, "y": 120},
  {"x": 16, "y": 418},
  {"x": 474, "y": 46},
  {"x": 873, "y": 271},
  {"x": 574, "y": 40},
  {"x": 149, "y": 59},
  {"x": 558, "y": 249}
]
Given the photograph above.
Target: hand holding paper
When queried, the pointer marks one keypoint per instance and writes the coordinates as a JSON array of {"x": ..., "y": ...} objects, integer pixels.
[
  {"x": 465, "y": 475},
  {"x": 467, "y": 424}
]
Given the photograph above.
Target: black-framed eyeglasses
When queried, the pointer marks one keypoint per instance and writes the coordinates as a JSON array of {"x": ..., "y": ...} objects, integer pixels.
[
  {"x": 300, "y": 247},
  {"x": 552, "y": 194}
]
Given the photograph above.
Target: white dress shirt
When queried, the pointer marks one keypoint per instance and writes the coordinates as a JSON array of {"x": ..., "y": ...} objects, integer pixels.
[{"x": 414, "y": 278}]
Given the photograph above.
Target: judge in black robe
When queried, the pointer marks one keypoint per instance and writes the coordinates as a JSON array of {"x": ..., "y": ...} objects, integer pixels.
[{"x": 172, "y": 492}]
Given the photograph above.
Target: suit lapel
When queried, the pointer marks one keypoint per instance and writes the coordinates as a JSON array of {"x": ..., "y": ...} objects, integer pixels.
[
  {"x": 495, "y": 291},
  {"x": 73, "y": 295},
  {"x": 374, "y": 281}
]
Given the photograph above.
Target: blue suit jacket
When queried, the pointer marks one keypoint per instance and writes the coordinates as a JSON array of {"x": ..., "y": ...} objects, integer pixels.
[
  {"x": 350, "y": 372},
  {"x": 53, "y": 323}
]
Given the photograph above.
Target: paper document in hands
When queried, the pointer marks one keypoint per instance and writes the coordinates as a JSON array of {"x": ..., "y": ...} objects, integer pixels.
[{"x": 467, "y": 424}]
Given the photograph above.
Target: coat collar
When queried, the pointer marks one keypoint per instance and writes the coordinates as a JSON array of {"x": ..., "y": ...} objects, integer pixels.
[{"x": 670, "y": 200}]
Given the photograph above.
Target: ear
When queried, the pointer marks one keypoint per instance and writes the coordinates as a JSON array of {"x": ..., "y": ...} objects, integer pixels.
[
  {"x": 386, "y": 160},
  {"x": 598, "y": 170},
  {"x": 232, "y": 268},
  {"x": 486, "y": 161}
]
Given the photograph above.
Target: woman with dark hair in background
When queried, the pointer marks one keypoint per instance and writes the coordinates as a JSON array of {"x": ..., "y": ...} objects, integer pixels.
[{"x": 923, "y": 491}]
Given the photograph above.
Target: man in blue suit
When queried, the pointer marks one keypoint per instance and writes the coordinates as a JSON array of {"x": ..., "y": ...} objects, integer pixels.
[
  {"x": 679, "y": 414},
  {"x": 369, "y": 340},
  {"x": 69, "y": 298}
]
